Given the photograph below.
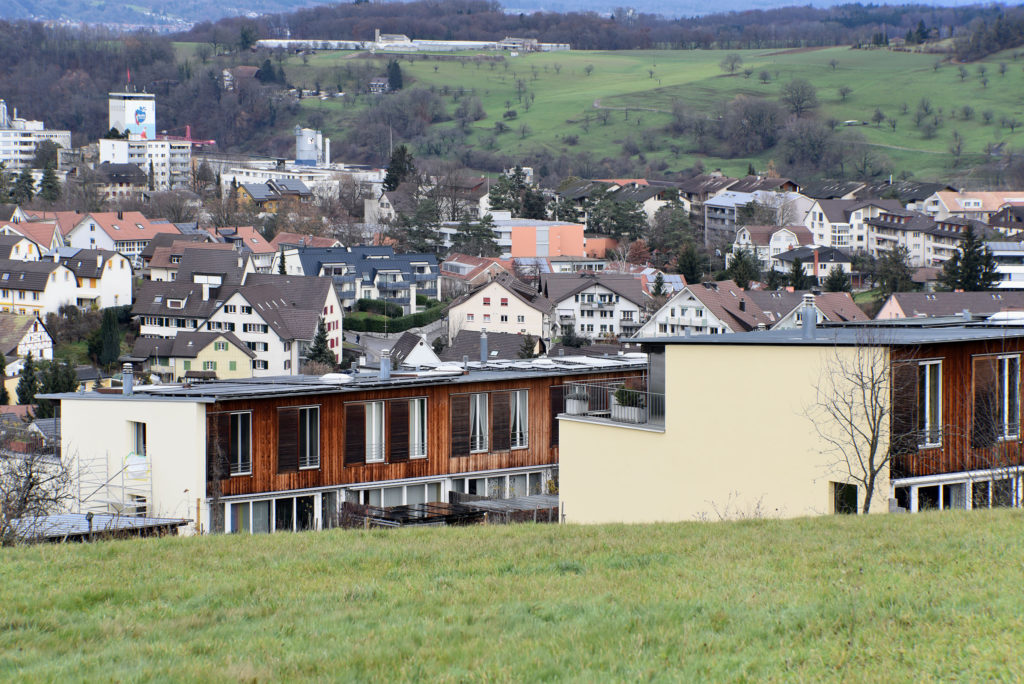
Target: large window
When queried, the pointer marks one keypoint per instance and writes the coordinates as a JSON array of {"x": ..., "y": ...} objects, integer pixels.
[
  {"x": 229, "y": 444},
  {"x": 520, "y": 422},
  {"x": 394, "y": 430},
  {"x": 996, "y": 399},
  {"x": 298, "y": 438},
  {"x": 478, "y": 422},
  {"x": 929, "y": 403},
  {"x": 374, "y": 431}
]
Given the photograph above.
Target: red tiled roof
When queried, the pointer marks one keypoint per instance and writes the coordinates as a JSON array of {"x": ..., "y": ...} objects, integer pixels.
[
  {"x": 128, "y": 225},
  {"x": 306, "y": 240}
]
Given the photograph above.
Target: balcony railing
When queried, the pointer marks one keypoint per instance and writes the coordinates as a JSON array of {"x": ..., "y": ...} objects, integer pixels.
[{"x": 614, "y": 402}]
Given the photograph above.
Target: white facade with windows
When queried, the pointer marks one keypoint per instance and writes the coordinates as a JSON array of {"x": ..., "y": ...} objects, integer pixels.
[
  {"x": 599, "y": 312},
  {"x": 19, "y": 139},
  {"x": 170, "y": 159}
]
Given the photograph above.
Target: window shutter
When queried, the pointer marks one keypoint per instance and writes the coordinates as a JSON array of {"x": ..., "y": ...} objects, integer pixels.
[
  {"x": 398, "y": 439},
  {"x": 460, "y": 425},
  {"x": 904, "y": 408},
  {"x": 501, "y": 421},
  {"x": 355, "y": 434},
  {"x": 985, "y": 425},
  {"x": 557, "y": 394},
  {"x": 218, "y": 446},
  {"x": 287, "y": 440}
]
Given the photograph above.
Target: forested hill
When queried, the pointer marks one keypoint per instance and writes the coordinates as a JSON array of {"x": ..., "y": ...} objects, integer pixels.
[
  {"x": 621, "y": 30},
  {"x": 166, "y": 14}
]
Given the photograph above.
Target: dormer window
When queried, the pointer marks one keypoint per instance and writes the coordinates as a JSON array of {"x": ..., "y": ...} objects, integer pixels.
[{"x": 175, "y": 303}]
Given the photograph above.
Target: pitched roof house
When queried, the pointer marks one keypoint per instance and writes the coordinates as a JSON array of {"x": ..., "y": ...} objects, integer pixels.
[
  {"x": 127, "y": 232},
  {"x": 505, "y": 304},
  {"x": 199, "y": 355},
  {"x": 935, "y": 304},
  {"x": 24, "y": 334}
]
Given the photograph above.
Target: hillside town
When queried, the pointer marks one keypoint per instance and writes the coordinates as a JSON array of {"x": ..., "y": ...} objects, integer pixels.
[{"x": 477, "y": 344}]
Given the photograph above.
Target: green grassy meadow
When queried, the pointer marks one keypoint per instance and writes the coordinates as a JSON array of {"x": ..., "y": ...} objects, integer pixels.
[
  {"x": 924, "y": 597},
  {"x": 647, "y": 82}
]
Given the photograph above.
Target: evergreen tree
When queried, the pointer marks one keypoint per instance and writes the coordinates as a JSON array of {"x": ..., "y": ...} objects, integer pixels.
[
  {"x": 421, "y": 232},
  {"x": 49, "y": 187},
  {"x": 394, "y": 75},
  {"x": 658, "y": 289},
  {"x": 399, "y": 168},
  {"x": 775, "y": 280},
  {"x": 507, "y": 192},
  {"x": 837, "y": 280},
  {"x": 24, "y": 187},
  {"x": 151, "y": 176},
  {"x": 476, "y": 238},
  {"x": 54, "y": 377},
  {"x": 743, "y": 268},
  {"x": 799, "y": 280},
  {"x": 693, "y": 264},
  {"x": 5, "y": 184},
  {"x": 972, "y": 268},
  {"x": 266, "y": 74},
  {"x": 5, "y": 397},
  {"x": 109, "y": 339},
  {"x": 28, "y": 383},
  {"x": 282, "y": 269},
  {"x": 625, "y": 220},
  {"x": 893, "y": 271},
  {"x": 527, "y": 349},
  {"x": 320, "y": 351}
]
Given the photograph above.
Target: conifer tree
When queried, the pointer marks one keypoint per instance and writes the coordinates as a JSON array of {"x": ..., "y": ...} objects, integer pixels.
[
  {"x": 798, "y": 280},
  {"x": 49, "y": 186},
  {"x": 837, "y": 280},
  {"x": 972, "y": 268},
  {"x": 28, "y": 383},
  {"x": 320, "y": 351},
  {"x": 399, "y": 168}
]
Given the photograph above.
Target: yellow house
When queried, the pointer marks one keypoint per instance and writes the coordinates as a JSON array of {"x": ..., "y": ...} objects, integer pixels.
[
  {"x": 726, "y": 426},
  {"x": 199, "y": 355}
]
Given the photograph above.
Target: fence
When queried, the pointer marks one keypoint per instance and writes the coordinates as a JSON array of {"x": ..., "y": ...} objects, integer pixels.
[{"x": 616, "y": 400}]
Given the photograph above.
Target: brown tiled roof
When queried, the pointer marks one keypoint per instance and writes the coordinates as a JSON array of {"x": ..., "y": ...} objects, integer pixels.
[
  {"x": 185, "y": 345},
  {"x": 299, "y": 240},
  {"x": 248, "y": 236},
  {"x": 66, "y": 220},
  {"x": 161, "y": 256},
  {"x": 87, "y": 263},
  {"x": 26, "y": 275},
  {"x": 499, "y": 346},
  {"x": 479, "y": 264},
  {"x": 730, "y": 304},
  {"x": 953, "y": 303},
  {"x": 838, "y": 211},
  {"x": 558, "y": 286},
  {"x": 762, "y": 235},
  {"x": 168, "y": 239}
]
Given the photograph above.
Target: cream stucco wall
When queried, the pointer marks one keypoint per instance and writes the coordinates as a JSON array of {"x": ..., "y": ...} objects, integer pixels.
[
  {"x": 735, "y": 444},
  {"x": 222, "y": 358},
  {"x": 459, "y": 317},
  {"x": 97, "y": 428}
]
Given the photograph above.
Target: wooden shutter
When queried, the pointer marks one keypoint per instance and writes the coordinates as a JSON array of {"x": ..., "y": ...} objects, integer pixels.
[
  {"x": 557, "y": 394},
  {"x": 218, "y": 446},
  {"x": 287, "y": 440},
  {"x": 501, "y": 421},
  {"x": 985, "y": 423},
  {"x": 398, "y": 435},
  {"x": 460, "y": 425},
  {"x": 355, "y": 434},
  {"x": 904, "y": 408}
]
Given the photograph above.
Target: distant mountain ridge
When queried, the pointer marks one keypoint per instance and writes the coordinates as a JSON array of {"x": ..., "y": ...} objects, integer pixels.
[{"x": 175, "y": 15}]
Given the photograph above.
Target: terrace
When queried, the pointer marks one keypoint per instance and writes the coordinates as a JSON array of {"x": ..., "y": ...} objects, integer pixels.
[{"x": 619, "y": 402}]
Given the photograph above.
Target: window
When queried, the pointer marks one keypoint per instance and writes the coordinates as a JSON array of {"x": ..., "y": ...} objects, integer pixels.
[
  {"x": 188, "y": 365},
  {"x": 487, "y": 318},
  {"x": 487, "y": 301},
  {"x": 229, "y": 308},
  {"x": 917, "y": 406},
  {"x": 298, "y": 438},
  {"x": 504, "y": 301},
  {"x": 478, "y": 422},
  {"x": 139, "y": 439},
  {"x": 470, "y": 317},
  {"x": 374, "y": 432},
  {"x": 504, "y": 319},
  {"x": 418, "y": 428},
  {"x": 209, "y": 365},
  {"x": 996, "y": 399},
  {"x": 844, "y": 498},
  {"x": 520, "y": 319},
  {"x": 232, "y": 365},
  {"x": 229, "y": 444},
  {"x": 220, "y": 346},
  {"x": 247, "y": 310},
  {"x": 520, "y": 422}
]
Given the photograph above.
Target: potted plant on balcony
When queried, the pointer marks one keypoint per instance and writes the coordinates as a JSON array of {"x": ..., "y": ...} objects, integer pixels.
[
  {"x": 576, "y": 400},
  {"x": 628, "y": 405}
]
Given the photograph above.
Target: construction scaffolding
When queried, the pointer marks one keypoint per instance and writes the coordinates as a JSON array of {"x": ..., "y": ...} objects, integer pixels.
[{"x": 109, "y": 484}]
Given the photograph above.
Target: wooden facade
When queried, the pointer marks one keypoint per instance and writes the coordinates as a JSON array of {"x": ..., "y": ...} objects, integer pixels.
[
  {"x": 342, "y": 458},
  {"x": 967, "y": 439}
]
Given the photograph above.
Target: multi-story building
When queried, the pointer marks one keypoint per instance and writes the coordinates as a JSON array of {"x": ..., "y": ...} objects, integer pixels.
[
  {"x": 36, "y": 287},
  {"x": 169, "y": 161},
  {"x": 843, "y": 223},
  {"x": 767, "y": 242},
  {"x": 127, "y": 232},
  {"x": 934, "y": 412},
  {"x": 504, "y": 305},
  {"x": 366, "y": 272},
  {"x": 929, "y": 242},
  {"x": 286, "y": 453},
  {"x": 596, "y": 304},
  {"x": 104, "y": 278},
  {"x": 519, "y": 237},
  {"x": 24, "y": 335},
  {"x": 19, "y": 139},
  {"x": 193, "y": 355},
  {"x": 1009, "y": 258}
]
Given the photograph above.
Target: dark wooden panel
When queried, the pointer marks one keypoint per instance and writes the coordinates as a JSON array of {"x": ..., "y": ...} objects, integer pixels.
[
  {"x": 555, "y": 404},
  {"x": 460, "y": 425},
  {"x": 398, "y": 430},
  {"x": 355, "y": 434},
  {"x": 501, "y": 419},
  {"x": 287, "y": 440}
]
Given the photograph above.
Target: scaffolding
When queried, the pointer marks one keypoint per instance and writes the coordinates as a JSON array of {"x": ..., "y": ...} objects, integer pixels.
[{"x": 120, "y": 486}]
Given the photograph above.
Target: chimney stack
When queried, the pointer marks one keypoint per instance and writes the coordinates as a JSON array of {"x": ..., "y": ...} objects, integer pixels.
[
  {"x": 810, "y": 318},
  {"x": 385, "y": 364},
  {"x": 127, "y": 379},
  {"x": 483, "y": 346}
]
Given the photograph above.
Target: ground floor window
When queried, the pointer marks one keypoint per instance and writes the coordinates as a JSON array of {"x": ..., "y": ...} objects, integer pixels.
[
  {"x": 844, "y": 498},
  {"x": 282, "y": 514},
  {"x": 501, "y": 486},
  {"x": 988, "y": 490},
  {"x": 398, "y": 495}
]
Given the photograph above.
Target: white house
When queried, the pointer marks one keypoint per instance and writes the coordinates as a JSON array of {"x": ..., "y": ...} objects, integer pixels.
[
  {"x": 596, "y": 304},
  {"x": 45, "y": 234},
  {"x": 842, "y": 223},
  {"x": 35, "y": 287},
  {"x": 104, "y": 277},
  {"x": 765, "y": 242},
  {"x": 127, "y": 232},
  {"x": 502, "y": 305},
  {"x": 21, "y": 335},
  {"x": 18, "y": 248},
  {"x": 705, "y": 309}
]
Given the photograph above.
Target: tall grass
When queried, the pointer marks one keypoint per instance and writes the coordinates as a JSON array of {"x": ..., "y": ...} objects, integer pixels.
[{"x": 930, "y": 596}]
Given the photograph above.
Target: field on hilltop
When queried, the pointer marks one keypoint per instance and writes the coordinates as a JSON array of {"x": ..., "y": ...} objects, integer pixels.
[
  {"x": 620, "y": 104},
  {"x": 927, "y": 596}
]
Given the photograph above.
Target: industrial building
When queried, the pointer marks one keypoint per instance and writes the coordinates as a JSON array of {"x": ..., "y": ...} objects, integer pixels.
[{"x": 19, "y": 139}]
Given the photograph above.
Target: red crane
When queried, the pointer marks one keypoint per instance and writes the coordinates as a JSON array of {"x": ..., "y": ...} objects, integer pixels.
[{"x": 196, "y": 144}]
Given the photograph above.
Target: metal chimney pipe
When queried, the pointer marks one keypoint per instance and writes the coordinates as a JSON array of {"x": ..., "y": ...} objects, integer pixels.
[
  {"x": 810, "y": 318},
  {"x": 385, "y": 364},
  {"x": 483, "y": 346},
  {"x": 127, "y": 379},
  {"x": 966, "y": 315}
]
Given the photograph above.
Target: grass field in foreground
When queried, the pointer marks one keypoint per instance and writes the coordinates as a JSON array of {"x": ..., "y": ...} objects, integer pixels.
[{"x": 929, "y": 596}]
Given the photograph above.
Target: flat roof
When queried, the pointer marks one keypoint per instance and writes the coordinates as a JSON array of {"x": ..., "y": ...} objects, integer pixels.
[
  {"x": 868, "y": 335},
  {"x": 446, "y": 373}
]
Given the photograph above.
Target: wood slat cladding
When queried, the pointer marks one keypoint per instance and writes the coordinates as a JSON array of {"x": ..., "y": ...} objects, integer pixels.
[
  {"x": 342, "y": 434},
  {"x": 959, "y": 426}
]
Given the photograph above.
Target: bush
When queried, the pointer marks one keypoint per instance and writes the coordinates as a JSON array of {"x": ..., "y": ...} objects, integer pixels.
[
  {"x": 379, "y": 306},
  {"x": 366, "y": 322}
]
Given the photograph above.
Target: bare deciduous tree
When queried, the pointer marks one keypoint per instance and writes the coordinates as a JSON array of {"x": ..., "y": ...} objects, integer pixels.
[
  {"x": 852, "y": 413},
  {"x": 34, "y": 482}
]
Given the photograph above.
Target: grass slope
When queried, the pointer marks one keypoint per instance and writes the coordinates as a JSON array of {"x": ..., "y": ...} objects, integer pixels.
[
  {"x": 624, "y": 79},
  {"x": 931, "y": 596}
]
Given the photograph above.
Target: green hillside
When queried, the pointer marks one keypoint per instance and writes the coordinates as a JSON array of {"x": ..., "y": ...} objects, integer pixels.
[
  {"x": 924, "y": 597},
  {"x": 565, "y": 116}
]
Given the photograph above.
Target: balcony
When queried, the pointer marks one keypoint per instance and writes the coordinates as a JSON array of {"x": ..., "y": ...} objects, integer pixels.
[{"x": 615, "y": 402}]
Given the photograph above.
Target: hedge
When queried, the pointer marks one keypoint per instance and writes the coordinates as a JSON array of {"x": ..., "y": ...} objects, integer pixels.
[
  {"x": 379, "y": 306},
  {"x": 377, "y": 324}
]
